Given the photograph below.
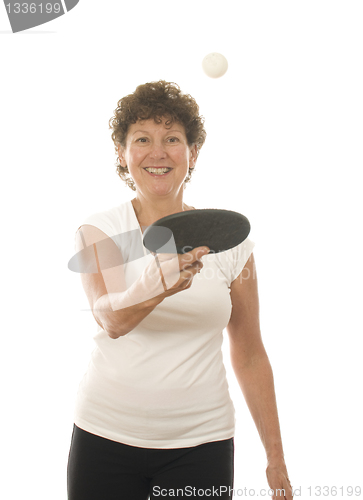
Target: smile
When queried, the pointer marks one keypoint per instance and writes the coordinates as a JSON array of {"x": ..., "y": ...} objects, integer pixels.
[{"x": 158, "y": 171}]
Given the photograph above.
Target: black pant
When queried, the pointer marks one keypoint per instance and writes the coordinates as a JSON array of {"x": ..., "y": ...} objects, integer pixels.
[{"x": 101, "y": 469}]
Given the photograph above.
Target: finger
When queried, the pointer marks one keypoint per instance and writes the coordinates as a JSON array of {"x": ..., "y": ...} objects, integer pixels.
[
  {"x": 173, "y": 276},
  {"x": 165, "y": 256},
  {"x": 192, "y": 270},
  {"x": 288, "y": 490},
  {"x": 186, "y": 259},
  {"x": 199, "y": 252},
  {"x": 169, "y": 270},
  {"x": 195, "y": 254},
  {"x": 177, "y": 270},
  {"x": 278, "y": 492},
  {"x": 186, "y": 277}
]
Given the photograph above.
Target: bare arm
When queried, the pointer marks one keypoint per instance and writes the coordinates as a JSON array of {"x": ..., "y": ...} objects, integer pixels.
[
  {"x": 119, "y": 310},
  {"x": 121, "y": 321},
  {"x": 109, "y": 282},
  {"x": 254, "y": 374}
]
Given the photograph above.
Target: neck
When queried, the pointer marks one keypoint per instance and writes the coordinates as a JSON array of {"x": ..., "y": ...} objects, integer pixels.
[{"x": 148, "y": 212}]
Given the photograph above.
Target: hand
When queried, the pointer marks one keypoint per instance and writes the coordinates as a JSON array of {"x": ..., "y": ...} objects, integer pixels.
[
  {"x": 177, "y": 271},
  {"x": 165, "y": 275},
  {"x": 278, "y": 479}
]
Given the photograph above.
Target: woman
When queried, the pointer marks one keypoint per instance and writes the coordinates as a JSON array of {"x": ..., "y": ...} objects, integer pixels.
[{"x": 153, "y": 416}]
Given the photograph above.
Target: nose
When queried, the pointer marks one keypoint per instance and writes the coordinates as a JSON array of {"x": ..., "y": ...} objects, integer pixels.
[{"x": 157, "y": 150}]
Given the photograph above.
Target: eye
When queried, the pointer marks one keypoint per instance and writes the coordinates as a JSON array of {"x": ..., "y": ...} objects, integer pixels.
[
  {"x": 141, "y": 139},
  {"x": 173, "y": 139}
]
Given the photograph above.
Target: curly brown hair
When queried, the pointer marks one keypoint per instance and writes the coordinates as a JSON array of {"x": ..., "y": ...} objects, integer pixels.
[{"x": 156, "y": 100}]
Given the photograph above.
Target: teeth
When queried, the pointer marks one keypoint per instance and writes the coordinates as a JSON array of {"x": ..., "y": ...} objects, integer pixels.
[{"x": 158, "y": 170}]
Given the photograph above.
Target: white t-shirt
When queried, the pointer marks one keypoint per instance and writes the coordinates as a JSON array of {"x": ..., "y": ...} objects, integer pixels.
[{"x": 163, "y": 385}]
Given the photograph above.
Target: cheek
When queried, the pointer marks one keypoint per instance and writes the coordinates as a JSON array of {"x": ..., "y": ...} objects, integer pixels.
[
  {"x": 181, "y": 156},
  {"x": 134, "y": 156}
]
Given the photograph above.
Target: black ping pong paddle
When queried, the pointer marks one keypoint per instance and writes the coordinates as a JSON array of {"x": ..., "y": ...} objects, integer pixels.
[{"x": 217, "y": 229}]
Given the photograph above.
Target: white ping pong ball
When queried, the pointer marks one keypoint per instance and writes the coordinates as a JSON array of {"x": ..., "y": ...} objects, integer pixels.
[{"x": 214, "y": 65}]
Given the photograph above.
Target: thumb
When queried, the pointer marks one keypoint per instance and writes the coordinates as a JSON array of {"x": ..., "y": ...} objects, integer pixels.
[{"x": 200, "y": 251}]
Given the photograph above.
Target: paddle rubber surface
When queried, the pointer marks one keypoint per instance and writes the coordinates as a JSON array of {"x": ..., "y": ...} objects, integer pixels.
[{"x": 217, "y": 229}]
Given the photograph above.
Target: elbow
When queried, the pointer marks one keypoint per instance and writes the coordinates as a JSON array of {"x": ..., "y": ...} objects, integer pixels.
[
  {"x": 113, "y": 334},
  {"x": 111, "y": 331}
]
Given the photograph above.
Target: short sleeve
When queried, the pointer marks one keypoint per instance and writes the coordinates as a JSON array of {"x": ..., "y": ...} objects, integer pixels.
[
  {"x": 128, "y": 242},
  {"x": 97, "y": 220},
  {"x": 235, "y": 259},
  {"x": 100, "y": 221}
]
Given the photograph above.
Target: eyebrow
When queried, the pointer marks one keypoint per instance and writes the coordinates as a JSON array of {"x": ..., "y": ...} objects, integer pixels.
[{"x": 146, "y": 132}]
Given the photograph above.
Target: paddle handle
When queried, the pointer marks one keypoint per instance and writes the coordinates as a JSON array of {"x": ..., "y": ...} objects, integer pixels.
[{"x": 161, "y": 273}]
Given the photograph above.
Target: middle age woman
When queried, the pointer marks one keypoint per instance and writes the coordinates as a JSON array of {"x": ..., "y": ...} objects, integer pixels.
[{"x": 154, "y": 414}]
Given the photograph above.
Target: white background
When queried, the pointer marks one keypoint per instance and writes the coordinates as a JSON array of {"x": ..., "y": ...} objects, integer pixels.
[{"x": 284, "y": 147}]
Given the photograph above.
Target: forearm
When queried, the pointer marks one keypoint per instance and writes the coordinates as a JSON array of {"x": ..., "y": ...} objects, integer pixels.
[
  {"x": 121, "y": 321},
  {"x": 256, "y": 382}
]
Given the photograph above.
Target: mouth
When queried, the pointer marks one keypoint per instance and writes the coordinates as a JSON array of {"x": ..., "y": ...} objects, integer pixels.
[{"x": 158, "y": 171}]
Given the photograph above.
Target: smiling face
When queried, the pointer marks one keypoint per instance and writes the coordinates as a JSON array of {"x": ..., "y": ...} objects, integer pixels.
[{"x": 151, "y": 145}]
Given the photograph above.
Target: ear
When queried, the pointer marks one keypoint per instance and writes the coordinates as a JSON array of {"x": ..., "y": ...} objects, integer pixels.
[
  {"x": 121, "y": 155},
  {"x": 193, "y": 155}
]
